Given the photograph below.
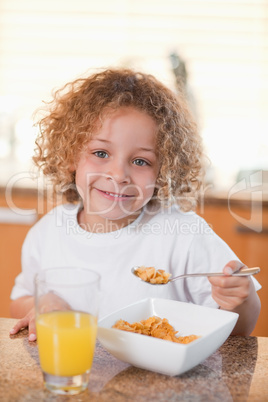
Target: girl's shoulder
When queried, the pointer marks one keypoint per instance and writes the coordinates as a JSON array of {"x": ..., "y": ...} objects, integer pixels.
[{"x": 57, "y": 216}]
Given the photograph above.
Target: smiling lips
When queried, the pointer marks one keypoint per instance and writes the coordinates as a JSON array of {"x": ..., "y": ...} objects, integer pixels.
[{"x": 110, "y": 195}]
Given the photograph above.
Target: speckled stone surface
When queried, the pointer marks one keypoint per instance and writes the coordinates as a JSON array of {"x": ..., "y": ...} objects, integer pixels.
[{"x": 238, "y": 371}]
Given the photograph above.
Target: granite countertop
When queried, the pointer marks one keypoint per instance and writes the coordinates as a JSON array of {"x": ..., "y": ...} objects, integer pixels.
[{"x": 236, "y": 372}]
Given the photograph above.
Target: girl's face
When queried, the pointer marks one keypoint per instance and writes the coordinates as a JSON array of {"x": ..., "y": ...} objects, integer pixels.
[{"x": 117, "y": 172}]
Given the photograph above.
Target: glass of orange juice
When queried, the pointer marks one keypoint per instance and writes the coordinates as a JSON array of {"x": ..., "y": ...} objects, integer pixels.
[{"x": 66, "y": 303}]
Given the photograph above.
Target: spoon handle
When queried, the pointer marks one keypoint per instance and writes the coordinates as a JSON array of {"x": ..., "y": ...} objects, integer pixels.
[{"x": 242, "y": 272}]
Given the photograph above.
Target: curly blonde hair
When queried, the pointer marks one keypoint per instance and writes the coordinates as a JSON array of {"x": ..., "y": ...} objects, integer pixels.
[{"x": 78, "y": 109}]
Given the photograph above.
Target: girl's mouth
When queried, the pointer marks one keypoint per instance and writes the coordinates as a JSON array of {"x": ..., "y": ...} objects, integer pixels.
[{"x": 110, "y": 195}]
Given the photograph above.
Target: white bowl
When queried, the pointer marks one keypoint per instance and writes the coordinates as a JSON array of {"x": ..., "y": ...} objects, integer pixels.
[{"x": 162, "y": 356}]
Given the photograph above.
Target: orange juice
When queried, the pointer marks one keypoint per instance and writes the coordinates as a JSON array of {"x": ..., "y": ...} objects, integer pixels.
[{"x": 66, "y": 342}]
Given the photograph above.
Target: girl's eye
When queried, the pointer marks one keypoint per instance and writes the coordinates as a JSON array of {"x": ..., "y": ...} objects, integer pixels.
[
  {"x": 101, "y": 154},
  {"x": 140, "y": 162}
]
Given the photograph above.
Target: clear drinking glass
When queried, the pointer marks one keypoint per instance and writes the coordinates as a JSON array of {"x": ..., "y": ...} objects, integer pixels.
[{"x": 66, "y": 303}]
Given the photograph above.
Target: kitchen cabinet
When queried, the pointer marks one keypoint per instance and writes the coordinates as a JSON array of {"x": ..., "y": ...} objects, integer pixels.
[{"x": 19, "y": 210}]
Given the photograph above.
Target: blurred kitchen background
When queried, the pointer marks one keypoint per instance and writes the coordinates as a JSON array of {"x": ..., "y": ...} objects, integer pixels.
[
  {"x": 222, "y": 46},
  {"x": 217, "y": 50}
]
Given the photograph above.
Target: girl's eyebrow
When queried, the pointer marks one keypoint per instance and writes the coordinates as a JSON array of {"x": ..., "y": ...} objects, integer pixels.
[
  {"x": 146, "y": 149},
  {"x": 100, "y": 139},
  {"x": 110, "y": 142}
]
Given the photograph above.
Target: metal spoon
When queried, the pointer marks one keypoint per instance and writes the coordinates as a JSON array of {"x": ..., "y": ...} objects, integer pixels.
[{"x": 240, "y": 272}]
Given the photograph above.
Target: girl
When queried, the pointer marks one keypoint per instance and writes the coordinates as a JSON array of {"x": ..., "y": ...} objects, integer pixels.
[{"x": 125, "y": 152}]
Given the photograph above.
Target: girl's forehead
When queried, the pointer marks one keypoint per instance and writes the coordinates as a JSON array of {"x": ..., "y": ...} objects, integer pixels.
[
  {"x": 125, "y": 120},
  {"x": 110, "y": 113}
]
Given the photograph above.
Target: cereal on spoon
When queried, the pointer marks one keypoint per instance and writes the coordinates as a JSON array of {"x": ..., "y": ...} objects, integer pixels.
[{"x": 150, "y": 274}]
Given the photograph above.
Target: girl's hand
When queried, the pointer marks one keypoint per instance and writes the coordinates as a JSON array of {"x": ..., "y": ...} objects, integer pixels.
[
  {"x": 230, "y": 291},
  {"x": 27, "y": 321},
  {"x": 237, "y": 294},
  {"x": 48, "y": 302}
]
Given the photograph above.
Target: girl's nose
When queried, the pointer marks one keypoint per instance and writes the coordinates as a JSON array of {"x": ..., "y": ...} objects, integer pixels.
[{"x": 119, "y": 172}]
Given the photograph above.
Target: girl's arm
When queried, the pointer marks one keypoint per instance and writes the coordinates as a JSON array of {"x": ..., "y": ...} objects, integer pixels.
[
  {"x": 23, "y": 308},
  {"x": 237, "y": 294}
]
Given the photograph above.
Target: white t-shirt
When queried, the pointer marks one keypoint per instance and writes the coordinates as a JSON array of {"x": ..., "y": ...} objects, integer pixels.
[{"x": 167, "y": 239}]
